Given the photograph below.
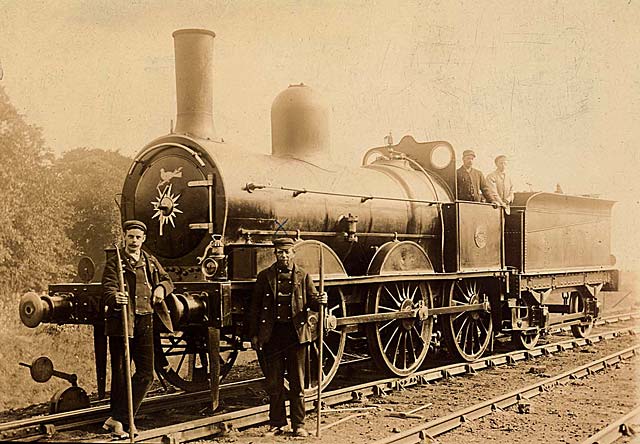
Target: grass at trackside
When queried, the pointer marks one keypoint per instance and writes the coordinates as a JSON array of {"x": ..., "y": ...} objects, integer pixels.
[{"x": 70, "y": 347}]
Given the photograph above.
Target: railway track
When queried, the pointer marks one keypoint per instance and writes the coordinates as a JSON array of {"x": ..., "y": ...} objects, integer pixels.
[
  {"x": 427, "y": 432},
  {"x": 32, "y": 429},
  {"x": 619, "y": 431}
]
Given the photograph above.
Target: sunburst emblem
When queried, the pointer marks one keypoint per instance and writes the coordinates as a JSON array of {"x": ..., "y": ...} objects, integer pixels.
[{"x": 166, "y": 207}]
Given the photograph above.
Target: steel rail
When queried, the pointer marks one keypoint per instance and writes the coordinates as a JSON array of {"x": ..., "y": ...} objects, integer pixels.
[
  {"x": 220, "y": 424},
  {"x": 46, "y": 425},
  {"x": 447, "y": 423},
  {"x": 621, "y": 428}
]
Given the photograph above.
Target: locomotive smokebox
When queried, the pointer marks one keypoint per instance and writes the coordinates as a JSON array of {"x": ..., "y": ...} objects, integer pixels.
[
  {"x": 194, "y": 82},
  {"x": 300, "y": 124}
]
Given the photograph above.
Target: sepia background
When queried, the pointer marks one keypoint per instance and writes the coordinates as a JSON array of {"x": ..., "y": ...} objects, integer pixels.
[{"x": 555, "y": 85}]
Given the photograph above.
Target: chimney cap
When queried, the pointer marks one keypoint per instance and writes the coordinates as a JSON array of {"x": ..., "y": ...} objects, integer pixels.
[{"x": 193, "y": 31}]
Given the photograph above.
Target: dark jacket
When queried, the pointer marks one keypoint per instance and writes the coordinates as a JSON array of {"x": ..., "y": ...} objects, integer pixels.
[
  {"x": 472, "y": 185},
  {"x": 111, "y": 285},
  {"x": 261, "y": 315}
]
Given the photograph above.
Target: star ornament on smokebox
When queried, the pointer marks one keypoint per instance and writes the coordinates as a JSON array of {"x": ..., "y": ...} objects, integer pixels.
[{"x": 166, "y": 207}]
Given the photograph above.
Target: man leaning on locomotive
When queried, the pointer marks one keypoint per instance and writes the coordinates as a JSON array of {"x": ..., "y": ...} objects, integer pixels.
[
  {"x": 279, "y": 328},
  {"x": 146, "y": 285},
  {"x": 495, "y": 189}
]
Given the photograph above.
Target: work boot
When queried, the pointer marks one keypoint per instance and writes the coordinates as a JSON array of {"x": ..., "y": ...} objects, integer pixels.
[
  {"x": 115, "y": 428},
  {"x": 300, "y": 432},
  {"x": 275, "y": 431}
]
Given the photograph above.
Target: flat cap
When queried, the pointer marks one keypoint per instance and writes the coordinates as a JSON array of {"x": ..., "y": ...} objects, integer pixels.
[
  {"x": 501, "y": 156},
  {"x": 283, "y": 243},
  {"x": 133, "y": 223},
  {"x": 468, "y": 153}
]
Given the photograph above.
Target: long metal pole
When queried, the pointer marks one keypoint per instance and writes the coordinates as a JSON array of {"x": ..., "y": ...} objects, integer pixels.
[
  {"x": 127, "y": 353},
  {"x": 320, "y": 343}
]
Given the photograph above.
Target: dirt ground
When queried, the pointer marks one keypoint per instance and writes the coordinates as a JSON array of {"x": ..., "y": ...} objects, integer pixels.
[{"x": 567, "y": 414}]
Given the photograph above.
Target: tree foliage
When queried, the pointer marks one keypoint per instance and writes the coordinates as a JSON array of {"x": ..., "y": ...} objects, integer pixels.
[
  {"x": 92, "y": 180},
  {"x": 34, "y": 248},
  {"x": 53, "y": 210}
]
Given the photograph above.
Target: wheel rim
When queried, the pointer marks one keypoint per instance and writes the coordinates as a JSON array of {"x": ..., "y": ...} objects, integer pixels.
[
  {"x": 332, "y": 349},
  {"x": 467, "y": 334},
  {"x": 182, "y": 358},
  {"x": 576, "y": 305},
  {"x": 526, "y": 340},
  {"x": 399, "y": 345}
]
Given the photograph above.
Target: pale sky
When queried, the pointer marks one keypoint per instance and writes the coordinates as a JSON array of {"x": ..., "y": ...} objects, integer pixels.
[{"x": 553, "y": 84}]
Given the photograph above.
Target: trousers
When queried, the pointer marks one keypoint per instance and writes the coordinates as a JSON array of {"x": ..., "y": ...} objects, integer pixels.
[
  {"x": 141, "y": 350},
  {"x": 284, "y": 352}
]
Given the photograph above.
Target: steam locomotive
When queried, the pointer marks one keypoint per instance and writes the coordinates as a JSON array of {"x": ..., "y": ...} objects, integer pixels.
[{"x": 406, "y": 264}]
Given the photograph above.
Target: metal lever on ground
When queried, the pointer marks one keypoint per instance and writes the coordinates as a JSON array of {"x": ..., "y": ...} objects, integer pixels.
[
  {"x": 42, "y": 370},
  {"x": 71, "y": 398}
]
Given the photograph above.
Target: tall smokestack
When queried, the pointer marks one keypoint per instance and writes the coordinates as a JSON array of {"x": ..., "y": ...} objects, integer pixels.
[{"x": 194, "y": 82}]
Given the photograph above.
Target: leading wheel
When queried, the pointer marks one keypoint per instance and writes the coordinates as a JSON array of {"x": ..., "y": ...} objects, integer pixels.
[
  {"x": 467, "y": 334},
  {"x": 577, "y": 305},
  {"x": 182, "y": 358}
]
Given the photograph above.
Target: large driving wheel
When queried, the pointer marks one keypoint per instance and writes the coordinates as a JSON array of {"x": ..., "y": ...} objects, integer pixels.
[
  {"x": 182, "y": 358},
  {"x": 467, "y": 334},
  {"x": 332, "y": 348},
  {"x": 399, "y": 346},
  {"x": 577, "y": 305},
  {"x": 308, "y": 257}
]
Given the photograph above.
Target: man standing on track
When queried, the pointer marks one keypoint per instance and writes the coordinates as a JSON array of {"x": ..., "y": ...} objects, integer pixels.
[
  {"x": 146, "y": 284},
  {"x": 278, "y": 322}
]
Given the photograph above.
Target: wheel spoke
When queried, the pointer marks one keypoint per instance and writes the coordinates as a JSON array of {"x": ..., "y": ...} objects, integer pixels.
[
  {"x": 476, "y": 336},
  {"x": 398, "y": 303},
  {"x": 463, "y": 293},
  {"x": 459, "y": 314},
  {"x": 464, "y": 322},
  {"x": 469, "y": 336},
  {"x": 390, "y": 339},
  {"x": 387, "y": 308},
  {"x": 387, "y": 324},
  {"x": 415, "y": 290},
  {"x": 180, "y": 363},
  {"x": 465, "y": 336},
  {"x": 413, "y": 328},
  {"x": 412, "y": 346},
  {"x": 327, "y": 348},
  {"x": 399, "y": 292},
  {"x": 395, "y": 353},
  {"x": 485, "y": 329}
]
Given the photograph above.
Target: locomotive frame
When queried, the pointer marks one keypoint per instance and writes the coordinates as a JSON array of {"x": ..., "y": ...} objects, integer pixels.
[{"x": 400, "y": 262}]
